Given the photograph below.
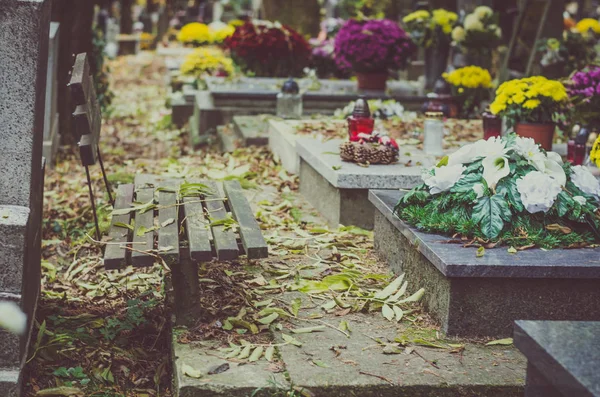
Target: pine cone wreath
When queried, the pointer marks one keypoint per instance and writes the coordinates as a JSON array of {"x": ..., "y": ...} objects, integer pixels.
[
  {"x": 347, "y": 151},
  {"x": 368, "y": 153}
]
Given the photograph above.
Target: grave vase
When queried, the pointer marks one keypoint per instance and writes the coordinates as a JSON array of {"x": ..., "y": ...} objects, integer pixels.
[
  {"x": 374, "y": 81},
  {"x": 436, "y": 61},
  {"x": 541, "y": 133}
]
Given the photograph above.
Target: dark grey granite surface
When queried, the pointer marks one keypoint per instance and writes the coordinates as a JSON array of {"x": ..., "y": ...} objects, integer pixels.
[
  {"x": 565, "y": 353},
  {"x": 452, "y": 260}
]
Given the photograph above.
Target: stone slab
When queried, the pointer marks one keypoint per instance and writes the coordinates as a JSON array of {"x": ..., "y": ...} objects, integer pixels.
[
  {"x": 565, "y": 353},
  {"x": 9, "y": 383},
  {"x": 252, "y": 130},
  {"x": 238, "y": 381},
  {"x": 14, "y": 222},
  {"x": 328, "y": 96},
  {"x": 482, "y": 299},
  {"x": 51, "y": 115},
  {"x": 354, "y": 369},
  {"x": 282, "y": 141},
  {"x": 228, "y": 140},
  {"x": 453, "y": 261},
  {"x": 324, "y": 157}
]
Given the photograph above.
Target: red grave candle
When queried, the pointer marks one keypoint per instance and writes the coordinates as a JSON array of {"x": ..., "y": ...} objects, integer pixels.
[{"x": 360, "y": 121}]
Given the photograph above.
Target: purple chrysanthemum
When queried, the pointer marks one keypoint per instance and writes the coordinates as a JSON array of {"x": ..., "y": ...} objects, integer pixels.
[{"x": 372, "y": 46}]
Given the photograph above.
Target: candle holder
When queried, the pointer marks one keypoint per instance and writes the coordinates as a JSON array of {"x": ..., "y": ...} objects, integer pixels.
[
  {"x": 492, "y": 125},
  {"x": 360, "y": 122}
]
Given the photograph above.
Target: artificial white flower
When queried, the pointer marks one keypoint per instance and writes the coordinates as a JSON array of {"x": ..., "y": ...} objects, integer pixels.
[
  {"x": 458, "y": 34},
  {"x": 12, "y": 318},
  {"x": 444, "y": 178},
  {"x": 478, "y": 189},
  {"x": 552, "y": 169},
  {"x": 555, "y": 157},
  {"x": 527, "y": 148},
  {"x": 465, "y": 154},
  {"x": 473, "y": 151},
  {"x": 483, "y": 12},
  {"x": 472, "y": 22},
  {"x": 538, "y": 191},
  {"x": 580, "y": 200},
  {"x": 585, "y": 180},
  {"x": 495, "y": 167}
]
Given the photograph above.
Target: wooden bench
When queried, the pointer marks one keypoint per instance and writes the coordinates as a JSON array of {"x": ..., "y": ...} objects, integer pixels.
[{"x": 176, "y": 219}]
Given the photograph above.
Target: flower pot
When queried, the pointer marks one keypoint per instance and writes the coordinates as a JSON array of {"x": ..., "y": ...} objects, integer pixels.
[
  {"x": 372, "y": 81},
  {"x": 542, "y": 133},
  {"x": 436, "y": 62}
]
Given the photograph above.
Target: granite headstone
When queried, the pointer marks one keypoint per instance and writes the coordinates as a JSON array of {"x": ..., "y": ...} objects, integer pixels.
[{"x": 24, "y": 35}]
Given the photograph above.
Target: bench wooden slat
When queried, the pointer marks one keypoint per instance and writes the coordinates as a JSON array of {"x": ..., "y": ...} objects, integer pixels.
[
  {"x": 196, "y": 226},
  {"x": 168, "y": 235},
  {"x": 115, "y": 256},
  {"x": 224, "y": 240},
  {"x": 252, "y": 238},
  {"x": 146, "y": 241}
]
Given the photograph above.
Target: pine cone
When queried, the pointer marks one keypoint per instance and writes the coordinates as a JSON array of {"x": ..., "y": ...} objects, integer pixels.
[
  {"x": 361, "y": 152},
  {"x": 389, "y": 155},
  {"x": 347, "y": 151}
]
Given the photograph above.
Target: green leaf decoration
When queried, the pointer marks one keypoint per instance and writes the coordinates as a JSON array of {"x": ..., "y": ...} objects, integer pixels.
[
  {"x": 466, "y": 183},
  {"x": 564, "y": 203},
  {"x": 508, "y": 188},
  {"x": 490, "y": 213},
  {"x": 398, "y": 295}
]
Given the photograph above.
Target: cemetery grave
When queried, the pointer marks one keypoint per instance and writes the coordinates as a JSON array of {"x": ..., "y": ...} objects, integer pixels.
[{"x": 345, "y": 232}]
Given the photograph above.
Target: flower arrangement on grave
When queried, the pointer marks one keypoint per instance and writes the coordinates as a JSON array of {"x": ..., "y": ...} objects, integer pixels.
[
  {"x": 432, "y": 32},
  {"x": 507, "y": 190},
  {"x": 370, "y": 48},
  {"x": 584, "y": 91},
  {"x": 197, "y": 34},
  {"x": 269, "y": 49},
  {"x": 323, "y": 60},
  {"x": 471, "y": 84},
  {"x": 366, "y": 146},
  {"x": 478, "y": 35},
  {"x": 588, "y": 26},
  {"x": 561, "y": 57},
  {"x": 207, "y": 61},
  {"x": 531, "y": 105}
]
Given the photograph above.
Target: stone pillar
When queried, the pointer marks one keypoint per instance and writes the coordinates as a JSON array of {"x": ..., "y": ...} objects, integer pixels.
[{"x": 24, "y": 34}]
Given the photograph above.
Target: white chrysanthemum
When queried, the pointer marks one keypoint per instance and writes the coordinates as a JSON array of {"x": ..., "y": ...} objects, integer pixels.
[
  {"x": 498, "y": 32},
  {"x": 12, "y": 318},
  {"x": 483, "y": 12},
  {"x": 538, "y": 191},
  {"x": 527, "y": 148},
  {"x": 585, "y": 180},
  {"x": 444, "y": 178},
  {"x": 472, "y": 22},
  {"x": 580, "y": 200},
  {"x": 495, "y": 168},
  {"x": 458, "y": 34}
]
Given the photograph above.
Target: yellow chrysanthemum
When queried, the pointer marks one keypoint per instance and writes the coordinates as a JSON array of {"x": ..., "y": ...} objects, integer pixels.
[
  {"x": 532, "y": 103},
  {"x": 195, "y": 32},
  {"x": 595, "y": 153},
  {"x": 588, "y": 24},
  {"x": 235, "y": 22},
  {"x": 219, "y": 35},
  {"x": 420, "y": 15},
  {"x": 445, "y": 19},
  {"x": 206, "y": 61},
  {"x": 469, "y": 77}
]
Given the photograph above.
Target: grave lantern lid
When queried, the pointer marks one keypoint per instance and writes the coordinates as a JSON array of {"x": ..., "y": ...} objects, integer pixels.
[
  {"x": 361, "y": 108},
  {"x": 290, "y": 87}
]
